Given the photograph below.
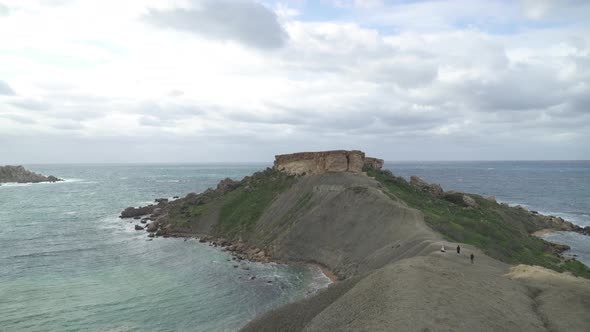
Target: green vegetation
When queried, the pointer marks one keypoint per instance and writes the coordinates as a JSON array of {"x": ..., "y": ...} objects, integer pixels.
[
  {"x": 243, "y": 206},
  {"x": 501, "y": 232}
]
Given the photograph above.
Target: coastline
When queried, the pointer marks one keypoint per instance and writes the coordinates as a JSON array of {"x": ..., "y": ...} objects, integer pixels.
[{"x": 543, "y": 232}]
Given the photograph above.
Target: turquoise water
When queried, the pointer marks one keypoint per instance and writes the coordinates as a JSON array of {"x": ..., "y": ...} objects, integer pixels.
[
  {"x": 559, "y": 188},
  {"x": 67, "y": 263}
]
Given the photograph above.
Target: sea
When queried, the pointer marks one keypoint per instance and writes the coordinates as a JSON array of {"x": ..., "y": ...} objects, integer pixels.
[{"x": 68, "y": 263}]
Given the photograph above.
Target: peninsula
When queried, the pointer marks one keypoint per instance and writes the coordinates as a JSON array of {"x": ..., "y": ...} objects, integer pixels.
[
  {"x": 19, "y": 174},
  {"x": 381, "y": 237}
]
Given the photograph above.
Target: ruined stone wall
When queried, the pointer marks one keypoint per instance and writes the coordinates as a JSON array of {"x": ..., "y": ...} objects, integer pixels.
[{"x": 321, "y": 162}]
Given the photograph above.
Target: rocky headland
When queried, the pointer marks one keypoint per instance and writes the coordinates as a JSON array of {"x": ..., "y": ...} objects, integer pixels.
[
  {"x": 380, "y": 236},
  {"x": 19, "y": 174}
]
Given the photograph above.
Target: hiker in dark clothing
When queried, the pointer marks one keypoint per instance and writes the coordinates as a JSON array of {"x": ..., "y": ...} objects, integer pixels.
[
  {"x": 458, "y": 249},
  {"x": 472, "y": 258}
]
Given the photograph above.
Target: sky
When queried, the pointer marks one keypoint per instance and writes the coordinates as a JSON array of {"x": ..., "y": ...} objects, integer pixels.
[{"x": 138, "y": 81}]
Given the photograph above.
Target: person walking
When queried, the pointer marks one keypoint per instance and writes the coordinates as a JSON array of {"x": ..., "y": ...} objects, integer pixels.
[
  {"x": 458, "y": 250},
  {"x": 472, "y": 257}
]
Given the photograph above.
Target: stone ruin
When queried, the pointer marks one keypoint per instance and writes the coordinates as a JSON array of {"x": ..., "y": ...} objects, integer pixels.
[{"x": 353, "y": 161}]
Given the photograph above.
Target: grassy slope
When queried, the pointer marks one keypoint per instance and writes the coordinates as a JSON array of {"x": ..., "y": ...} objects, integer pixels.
[
  {"x": 242, "y": 207},
  {"x": 238, "y": 209},
  {"x": 501, "y": 232}
]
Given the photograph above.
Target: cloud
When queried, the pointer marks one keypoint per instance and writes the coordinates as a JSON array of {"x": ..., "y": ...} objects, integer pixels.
[
  {"x": 4, "y": 10},
  {"x": 243, "y": 21},
  {"x": 6, "y": 90},
  {"x": 18, "y": 118},
  {"x": 31, "y": 104},
  {"x": 476, "y": 81}
]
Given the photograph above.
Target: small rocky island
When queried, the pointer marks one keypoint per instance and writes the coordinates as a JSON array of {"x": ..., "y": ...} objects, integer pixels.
[{"x": 19, "y": 174}]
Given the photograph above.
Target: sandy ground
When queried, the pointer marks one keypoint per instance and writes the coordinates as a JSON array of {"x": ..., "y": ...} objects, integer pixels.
[{"x": 442, "y": 292}]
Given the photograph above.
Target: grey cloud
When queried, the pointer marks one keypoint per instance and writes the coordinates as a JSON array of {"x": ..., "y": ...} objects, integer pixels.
[
  {"x": 160, "y": 114},
  {"x": 6, "y": 90},
  {"x": 18, "y": 118},
  {"x": 520, "y": 89},
  {"x": 404, "y": 75},
  {"x": 31, "y": 104},
  {"x": 150, "y": 121},
  {"x": 68, "y": 125},
  {"x": 244, "y": 21}
]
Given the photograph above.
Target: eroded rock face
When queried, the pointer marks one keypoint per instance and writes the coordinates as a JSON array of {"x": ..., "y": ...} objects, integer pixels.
[
  {"x": 321, "y": 162},
  {"x": 373, "y": 164}
]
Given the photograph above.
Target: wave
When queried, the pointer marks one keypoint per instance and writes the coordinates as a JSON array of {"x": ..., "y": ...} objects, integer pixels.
[
  {"x": 575, "y": 217},
  {"x": 52, "y": 253},
  {"x": 27, "y": 184}
]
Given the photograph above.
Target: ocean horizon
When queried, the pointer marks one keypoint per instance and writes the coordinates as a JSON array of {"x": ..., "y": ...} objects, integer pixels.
[{"x": 69, "y": 262}]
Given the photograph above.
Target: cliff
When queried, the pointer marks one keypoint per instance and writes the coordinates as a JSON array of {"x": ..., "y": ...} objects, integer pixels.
[
  {"x": 19, "y": 174},
  {"x": 353, "y": 161}
]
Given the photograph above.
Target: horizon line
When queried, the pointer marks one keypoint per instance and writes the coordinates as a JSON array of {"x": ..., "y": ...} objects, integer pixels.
[{"x": 271, "y": 162}]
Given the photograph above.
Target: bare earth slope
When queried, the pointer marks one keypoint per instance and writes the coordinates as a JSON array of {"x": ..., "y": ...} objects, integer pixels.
[
  {"x": 343, "y": 221},
  {"x": 439, "y": 292},
  {"x": 392, "y": 275}
]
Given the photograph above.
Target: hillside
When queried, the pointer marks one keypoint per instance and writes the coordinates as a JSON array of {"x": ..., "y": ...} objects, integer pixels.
[{"x": 380, "y": 235}]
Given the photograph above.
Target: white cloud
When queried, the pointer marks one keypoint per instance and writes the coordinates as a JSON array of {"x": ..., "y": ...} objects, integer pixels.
[{"x": 392, "y": 81}]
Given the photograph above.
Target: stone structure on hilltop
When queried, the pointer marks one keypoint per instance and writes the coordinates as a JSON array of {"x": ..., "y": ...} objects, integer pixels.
[{"x": 325, "y": 161}]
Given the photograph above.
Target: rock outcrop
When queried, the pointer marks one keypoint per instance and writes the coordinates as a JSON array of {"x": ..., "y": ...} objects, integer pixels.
[
  {"x": 132, "y": 212},
  {"x": 19, "y": 174},
  {"x": 431, "y": 188},
  {"x": 373, "y": 164},
  {"x": 460, "y": 199},
  {"x": 353, "y": 161}
]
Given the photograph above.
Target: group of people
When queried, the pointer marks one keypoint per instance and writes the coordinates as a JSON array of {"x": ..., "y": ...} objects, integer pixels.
[{"x": 442, "y": 249}]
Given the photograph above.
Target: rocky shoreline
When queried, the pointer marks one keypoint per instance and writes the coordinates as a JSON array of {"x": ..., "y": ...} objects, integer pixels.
[
  {"x": 18, "y": 174},
  {"x": 149, "y": 214}
]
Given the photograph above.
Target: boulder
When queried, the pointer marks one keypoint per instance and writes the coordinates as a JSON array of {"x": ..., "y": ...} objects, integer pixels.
[
  {"x": 226, "y": 185},
  {"x": 152, "y": 227},
  {"x": 132, "y": 212},
  {"x": 151, "y": 235},
  {"x": 491, "y": 199},
  {"x": 161, "y": 200},
  {"x": 433, "y": 189},
  {"x": 460, "y": 199},
  {"x": 138, "y": 228}
]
